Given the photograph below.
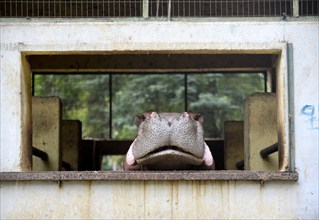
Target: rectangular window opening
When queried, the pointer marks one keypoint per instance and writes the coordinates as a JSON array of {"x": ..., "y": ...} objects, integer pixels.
[
  {"x": 98, "y": 102},
  {"x": 93, "y": 98}
]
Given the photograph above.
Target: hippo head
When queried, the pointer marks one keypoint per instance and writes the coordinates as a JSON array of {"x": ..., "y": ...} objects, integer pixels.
[{"x": 169, "y": 141}]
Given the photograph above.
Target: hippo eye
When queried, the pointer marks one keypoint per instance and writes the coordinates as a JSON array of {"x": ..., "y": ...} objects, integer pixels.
[
  {"x": 196, "y": 117},
  {"x": 141, "y": 117}
]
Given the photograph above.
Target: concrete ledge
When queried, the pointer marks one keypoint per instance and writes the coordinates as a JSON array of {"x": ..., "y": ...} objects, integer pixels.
[{"x": 149, "y": 175}]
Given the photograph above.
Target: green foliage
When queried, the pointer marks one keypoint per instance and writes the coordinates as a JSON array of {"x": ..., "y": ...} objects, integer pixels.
[
  {"x": 135, "y": 94},
  {"x": 218, "y": 97},
  {"x": 84, "y": 97}
]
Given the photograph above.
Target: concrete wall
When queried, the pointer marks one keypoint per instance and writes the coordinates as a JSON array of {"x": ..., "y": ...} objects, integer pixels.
[{"x": 158, "y": 199}]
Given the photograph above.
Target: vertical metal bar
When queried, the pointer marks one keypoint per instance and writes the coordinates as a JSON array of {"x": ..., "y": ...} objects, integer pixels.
[
  {"x": 295, "y": 6},
  {"x": 32, "y": 84},
  {"x": 169, "y": 8},
  {"x": 92, "y": 11},
  {"x": 185, "y": 92},
  {"x": 27, "y": 9},
  {"x": 60, "y": 7},
  {"x": 265, "y": 81},
  {"x": 291, "y": 105},
  {"x": 98, "y": 9},
  {"x": 110, "y": 105},
  {"x": 108, "y": 9},
  {"x": 157, "y": 8},
  {"x": 103, "y": 15},
  {"x": 145, "y": 9},
  {"x": 237, "y": 9}
]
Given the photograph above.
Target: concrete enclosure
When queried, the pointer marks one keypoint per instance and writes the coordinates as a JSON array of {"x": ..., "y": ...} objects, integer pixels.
[
  {"x": 46, "y": 132},
  {"x": 260, "y": 125},
  {"x": 297, "y": 91}
]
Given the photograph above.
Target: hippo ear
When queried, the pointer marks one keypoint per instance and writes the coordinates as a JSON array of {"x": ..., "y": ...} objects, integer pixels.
[
  {"x": 196, "y": 117},
  {"x": 139, "y": 119},
  {"x": 199, "y": 118}
]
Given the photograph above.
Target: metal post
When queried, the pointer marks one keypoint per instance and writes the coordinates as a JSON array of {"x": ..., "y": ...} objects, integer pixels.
[
  {"x": 185, "y": 93},
  {"x": 110, "y": 105},
  {"x": 145, "y": 8},
  {"x": 291, "y": 106},
  {"x": 295, "y": 8},
  {"x": 169, "y": 9}
]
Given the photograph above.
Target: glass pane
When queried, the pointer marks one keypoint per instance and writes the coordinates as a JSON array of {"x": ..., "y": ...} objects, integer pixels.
[
  {"x": 220, "y": 97},
  {"x": 133, "y": 94},
  {"x": 84, "y": 97}
]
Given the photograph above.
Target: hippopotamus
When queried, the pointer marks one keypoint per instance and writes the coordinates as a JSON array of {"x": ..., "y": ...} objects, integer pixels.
[{"x": 169, "y": 141}]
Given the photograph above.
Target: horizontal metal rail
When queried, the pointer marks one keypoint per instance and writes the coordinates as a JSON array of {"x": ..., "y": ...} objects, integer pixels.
[
  {"x": 39, "y": 153},
  {"x": 269, "y": 150},
  {"x": 44, "y": 156}
]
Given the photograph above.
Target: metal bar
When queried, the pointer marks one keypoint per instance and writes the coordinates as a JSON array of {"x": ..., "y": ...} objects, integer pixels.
[
  {"x": 185, "y": 92},
  {"x": 265, "y": 81},
  {"x": 110, "y": 105},
  {"x": 157, "y": 8},
  {"x": 169, "y": 8},
  {"x": 145, "y": 9},
  {"x": 39, "y": 153},
  {"x": 295, "y": 6},
  {"x": 269, "y": 150},
  {"x": 291, "y": 105},
  {"x": 32, "y": 84}
]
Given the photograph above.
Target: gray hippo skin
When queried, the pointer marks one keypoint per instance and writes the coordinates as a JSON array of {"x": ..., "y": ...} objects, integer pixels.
[{"x": 169, "y": 141}]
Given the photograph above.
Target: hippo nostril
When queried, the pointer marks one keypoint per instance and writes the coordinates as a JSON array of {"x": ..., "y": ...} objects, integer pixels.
[{"x": 169, "y": 123}]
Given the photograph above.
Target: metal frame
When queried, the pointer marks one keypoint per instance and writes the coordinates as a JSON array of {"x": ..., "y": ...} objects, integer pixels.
[
  {"x": 143, "y": 8},
  {"x": 177, "y": 72}
]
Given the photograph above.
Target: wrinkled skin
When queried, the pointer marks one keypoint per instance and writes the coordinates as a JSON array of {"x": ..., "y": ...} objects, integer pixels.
[{"x": 169, "y": 141}]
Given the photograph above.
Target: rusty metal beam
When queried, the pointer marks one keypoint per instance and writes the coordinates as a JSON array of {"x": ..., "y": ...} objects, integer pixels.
[
  {"x": 269, "y": 150},
  {"x": 39, "y": 153}
]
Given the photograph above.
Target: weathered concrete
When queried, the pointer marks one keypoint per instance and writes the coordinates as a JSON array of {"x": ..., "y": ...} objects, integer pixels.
[
  {"x": 162, "y": 199},
  {"x": 234, "y": 143},
  {"x": 71, "y": 140},
  {"x": 260, "y": 125},
  {"x": 149, "y": 200},
  {"x": 46, "y": 132}
]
